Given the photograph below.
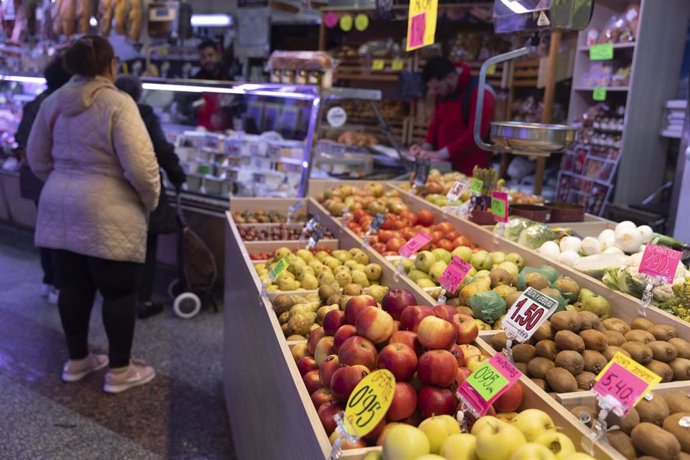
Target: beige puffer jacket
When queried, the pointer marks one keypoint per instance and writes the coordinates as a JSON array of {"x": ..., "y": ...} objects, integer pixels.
[{"x": 90, "y": 145}]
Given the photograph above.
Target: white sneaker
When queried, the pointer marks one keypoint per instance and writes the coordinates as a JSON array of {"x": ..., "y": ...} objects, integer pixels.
[
  {"x": 45, "y": 290},
  {"x": 124, "y": 378},
  {"x": 53, "y": 296},
  {"x": 77, "y": 369}
]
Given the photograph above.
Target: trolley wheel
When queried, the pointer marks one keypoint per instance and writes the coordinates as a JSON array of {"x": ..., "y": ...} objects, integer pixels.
[
  {"x": 174, "y": 288},
  {"x": 187, "y": 305}
]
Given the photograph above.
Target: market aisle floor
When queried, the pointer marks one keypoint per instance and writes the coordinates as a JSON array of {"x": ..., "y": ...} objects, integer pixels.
[{"x": 180, "y": 415}]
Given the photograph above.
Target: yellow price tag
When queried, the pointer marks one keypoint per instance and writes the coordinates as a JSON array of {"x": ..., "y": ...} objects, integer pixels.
[
  {"x": 369, "y": 402},
  {"x": 346, "y": 22},
  {"x": 378, "y": 64},
  {"x": 397, "y": 64},
  {"x": 361, "y": 22},
  {"x": 421, "y": 24},
  {"x": 491, "y": 69}
]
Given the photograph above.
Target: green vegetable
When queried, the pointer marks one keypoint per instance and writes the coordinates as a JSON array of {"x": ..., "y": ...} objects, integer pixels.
[
  {"x": 536, "y": 235},
  {"x": 487, "y": 306},
  {"x": 679, "y": 305},
  {"x": 515, "y": 226}
]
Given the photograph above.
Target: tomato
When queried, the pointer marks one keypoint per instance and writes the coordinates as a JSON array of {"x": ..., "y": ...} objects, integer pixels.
[
  {"x": 385, "y": 235},
  {"x": 445, "y": 227},
  {"x": 379, "y": 247},
  {"x": 410, "y": 217},
  {"x": 451, "y": 236},
  {"x": 358, "y": 215},
  {"x": 436, "y": 236},
  {"x": 445, "y": 244},
  {"x": 462, "y": 241},
  {"x": 425, "y": 217},
  {"x": 394, "y": 244},
  {"x": 408, "y": 233}
]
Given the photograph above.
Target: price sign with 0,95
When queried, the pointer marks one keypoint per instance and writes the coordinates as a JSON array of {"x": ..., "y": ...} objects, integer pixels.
[
  {"x": 487, "y": 383},
  {"x": 529, "y": 312},
  {"x": 369, "y": 402}
]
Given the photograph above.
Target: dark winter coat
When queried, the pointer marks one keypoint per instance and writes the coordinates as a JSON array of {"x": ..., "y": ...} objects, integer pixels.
[{"x": 30, "y": 186}]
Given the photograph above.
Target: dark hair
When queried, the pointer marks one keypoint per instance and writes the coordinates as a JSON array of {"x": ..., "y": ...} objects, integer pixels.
[
  {"x": 55, "y": 74},
  {"x": 208, "y": 44},
  {"x": 131, "y": 85},
  {"x": 437, "y": 68},
  {"x": 89, "y": 56}
]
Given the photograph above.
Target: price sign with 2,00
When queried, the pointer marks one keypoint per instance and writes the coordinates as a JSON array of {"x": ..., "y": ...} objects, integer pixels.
[{"x": 529, "y": 312}]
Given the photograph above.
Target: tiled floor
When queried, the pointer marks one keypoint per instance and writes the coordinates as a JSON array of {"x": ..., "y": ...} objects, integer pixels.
[{"x": 180, "y": 415}]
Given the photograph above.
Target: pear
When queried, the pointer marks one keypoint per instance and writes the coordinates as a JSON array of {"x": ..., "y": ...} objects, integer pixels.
[
  {"x": 325, "y": 278},
  {"x": 373, "y": 272},
  {"x": 442, "y": 255},
  {"x": 325, "y": 292},
  {"x": 341, "y": 268},
  {"x": 309, "y": 281},
  {"x": 288, "y": 284},
  {"x": 352, "y": 289},
  {"x": 315, "y": 264},
  {"x": 377, "y": 292},
  {"x": 343, "y": 278},
  {"x": 361, "y": 258},
  {"x": 464, "y": 252},
  {"x": 510, "y": 267},
  {"x": 481, "y": 260},
  {"x": 498, "y": 257},
  {"x": 416, "y": 275},
  {"x": 589, "y": 301},
  {"x": 341, "y": 255},
  {"x": 321, "y": 255},
  {"x": 408, "y": 265},
  {"x": 425, "y": 283},
  {"x": 281, "y": 252},
  {"x": 359, "y": 277},
  {"x": 500, "y": 277},
  {"x": 305, "y": 255},
  {"x": 568, "y": 287},
  {"x": 516, "y": 258},
  {"x": 537, "y": 281},
  {"x": 331, "y": 262},
  {"x": 504, "y": 290},
  {"x": 437, "y": 270},
  {"x": 301, "y": 271}
]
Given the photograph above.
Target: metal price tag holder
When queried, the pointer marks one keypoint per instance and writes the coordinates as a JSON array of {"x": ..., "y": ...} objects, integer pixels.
[
  {"x": 422, "y": 166},
  {"x": 342, "y": 425},
  {"x": 606, "y": 404},
  {"x": 374, "y": 227},
  {"x": 648, "y": 294},
  {"x": 310, "y": 226},
  {"x": 293, "y": 208}
]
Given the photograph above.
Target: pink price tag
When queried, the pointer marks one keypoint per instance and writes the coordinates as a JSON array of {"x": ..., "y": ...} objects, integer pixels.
[
  {"x": 499, "y": 206},
  {"x": 417, "y": 30},
  {"x": 457, "y": 271},
  {"x": 487, "y": 383},
  {"x": 420, "y": 240},
  {"x": 660, "y": 261},
  {"x": 622, "y": 384},
  {"x": 330, "y": 20}
]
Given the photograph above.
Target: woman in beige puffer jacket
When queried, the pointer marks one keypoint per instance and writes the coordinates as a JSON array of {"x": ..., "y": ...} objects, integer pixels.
[{"x": 91, "y": 147}]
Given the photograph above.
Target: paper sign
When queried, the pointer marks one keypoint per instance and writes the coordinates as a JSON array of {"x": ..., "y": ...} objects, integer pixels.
[
  {"x": 378, "y": 64},
  {"x": 491, "y": 69},
  {"x": 421, "y": 25},
  {"x": 457, "y": 189},
  {"x": 456, "y": 271},
  {"x": 601, "y": 52},
  {"x": 476, "y": 186},
  {"x": 278, "y": 268},
  {"x": 346, "y": 23},
  {"x": 420, "y": 240},
  {"x": 369, "y": 402},
  {"x": 528, "y": 312},
  {"x": 599, "y": 93},
  {"x": 499, "y": 206},
  {"x": 487, "y": 383},
  {"x": 625, "y": 380},
  {"x": 397, "y": 64},
  {"x": 660, "y": 262},
  {"x": 361, "y": 22}
]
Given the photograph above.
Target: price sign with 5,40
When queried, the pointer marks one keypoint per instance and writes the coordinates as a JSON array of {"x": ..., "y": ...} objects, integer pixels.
[
  {"x": 528, "y": 312},
  {"x": 456, "y": 271},
  {"x": 487, "y": 383},
  {"x": 660, "y": 262},
  {"x": 625, "y": 381},
  {"x": 420, "y": 240},
  {"x": 369, "y": 402}
]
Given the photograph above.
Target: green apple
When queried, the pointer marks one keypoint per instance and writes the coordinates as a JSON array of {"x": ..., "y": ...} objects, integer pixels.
[
  {"x": 331, "y": 262},
  {"x": 558, "y": 443},
  {"x": 321, "y": 255},
  {"x": 486, "y": 422},
  {"x": 282, "y": 252},
  {"x": 343, "y": 278},
  {"x": 464, "y": 252},
  {"x": 481, "y": 260},
  {"x": 405, "y": 442},
  {"x": 462, "y": 446},
  {"x": 532, "y": 451},
  {"x": 482, "y": 274},
  {"x": 437, "y": 429},
  {"x": 373, "y": 455},
  {"x": 498, "y": 257},
  {"x": 533, "y": 423},
  {"x": 416, "y": 275},
  {"x": 425, "y": 283},
  {"x": 350, "y": 263},
  {"x": 498, "y": 440},
  {"x": 442, "y": 254},
  {"x": 437, "y": 269},
  {"x": 515, "y": 258},
  {"x": 424, "y": 261}
]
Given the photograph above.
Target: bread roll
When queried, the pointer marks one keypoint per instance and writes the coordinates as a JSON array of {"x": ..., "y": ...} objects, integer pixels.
[
  {"x": 135, "y": 20},
  {"x": 121, "y": 17},
  {"x": 106, "y": 7}
]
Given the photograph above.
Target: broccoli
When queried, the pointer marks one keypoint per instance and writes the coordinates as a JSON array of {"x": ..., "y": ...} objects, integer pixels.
[{"x": 679, "y": 305}]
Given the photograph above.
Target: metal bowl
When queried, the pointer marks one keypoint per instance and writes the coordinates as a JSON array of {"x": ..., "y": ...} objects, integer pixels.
[{"x": 531, "y": 138}]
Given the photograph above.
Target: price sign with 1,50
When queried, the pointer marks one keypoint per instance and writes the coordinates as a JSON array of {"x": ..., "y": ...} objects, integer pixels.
[
  {"x": 625, "y": 382},
  {"x": 489, "y": 381},
  {"x": 369, "y": 402},
  {"x": 420, "y": 240},
  {"x": 457, "y": 189},
  {"x": 660, "y": 262},
  {"x": 528, "y": 312},
  {"x": 456, "y": 271}
]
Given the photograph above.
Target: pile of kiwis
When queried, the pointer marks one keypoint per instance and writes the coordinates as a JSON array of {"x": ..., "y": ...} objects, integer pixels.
[
  {"x": 569, "y": 350},
  {"x": 657, "y": 428}
]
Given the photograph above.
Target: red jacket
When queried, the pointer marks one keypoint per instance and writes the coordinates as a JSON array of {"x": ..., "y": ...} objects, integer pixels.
[{"x": 448, "y": 129}]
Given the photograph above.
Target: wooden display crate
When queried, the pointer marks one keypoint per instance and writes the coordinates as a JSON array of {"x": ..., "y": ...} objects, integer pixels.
[{"x": 586, "y": 398}]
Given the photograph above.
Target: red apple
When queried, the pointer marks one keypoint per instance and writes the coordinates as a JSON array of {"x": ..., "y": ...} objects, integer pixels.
[
  {"x": 343, "y": 333},
  {"x": 332, "y": 321},
  {"x": 466, "y": 327},
  {"x": 473, "y": 362},
  {"x": 306, "y": 364},
  {"x": 396, "y": 300},
  {"x": 311, "y": 380},
  {"x": 445, "y": 312},
  {"x": 322, "y": 396},
  {"x": 400, "y": 359},
  {"x": 469, "y": 351},
  {"x": 408, "y": 338},
  {"x": 327, "y": 413},
  {"x": 435, "y": 401},
  {"x": 425, "y": 218},
  {"x": 345, "y": 380},
  {"x": 327, "y": 368},
  {"x": 460, "y": 377},
  {"x": 459, "y": 356},
  {"x": 437, "y": 367},
  {"x": 314, "y": 337},
  {"x": 323, "y": 349},
  {"x": 355, "y": 305},
  {"x": 404, "y": 402},
  {"x": 510, "y": 400},
  {"x": 374, "y": 324},
  {"x": 413, "y": 315},
  {"x": 436, "y": 334},
  {"x": 358, "y": 350}
]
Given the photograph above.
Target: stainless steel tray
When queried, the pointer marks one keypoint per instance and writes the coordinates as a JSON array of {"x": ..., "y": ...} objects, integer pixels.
[{"x": 531, "y": 138}]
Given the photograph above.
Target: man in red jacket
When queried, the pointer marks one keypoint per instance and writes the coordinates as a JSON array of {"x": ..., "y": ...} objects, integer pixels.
[{"x": 450, "y": 135}]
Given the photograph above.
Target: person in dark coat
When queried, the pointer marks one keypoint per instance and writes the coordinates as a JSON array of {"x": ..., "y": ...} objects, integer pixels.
[
  {"x": 162, "y": 219},
  {"x": 30, "y": 186}
]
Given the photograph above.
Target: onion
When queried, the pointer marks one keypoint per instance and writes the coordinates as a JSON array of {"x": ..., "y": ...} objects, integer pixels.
[
  {"x": 629, "y": 240},
  {"x": 625, "y": 225},
  {"x": 613, "y": 250},
  {"x": 607, "y": 238},
  {"x": 591, "y": 246},
  {"x": 570, "y": 243},
  {"x": 550, "y": 250},
  {"x": 568, "y": 258},
  {"x": 647, "y": 233}
]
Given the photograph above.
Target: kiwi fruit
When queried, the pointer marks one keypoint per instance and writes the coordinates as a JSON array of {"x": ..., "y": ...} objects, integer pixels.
[
  {"x": 566, "y": 321},
  {"x": 561, "y": 381},
  {"x": 653, "y": 410},
  {"x": 661, "y": 369},
  {"x": 611, "y": 351},
  {"x": 522, "y": 367},
  {"x": 568, "y": 340},
  {"x": 585, "y": 380},
  {"x": 499, "y": 340},
  {"x": 627, "y": 423},
  {"x": 571, "y": 361},
  {"x": 543, "y": 332},
  {"x": 638, "y": 351},
  {"x": 641, "y": 323},
  {"x": 546, "y": 349},
  {"x": 594, "y": 340},
  {"x": 648, "y": 457},
  {"x": 663, "y": 332},
  {"x": 589, "y": 320},
  {"x": 653, "y": 440},
  {"x": 622, "y": 443},
  {"x": 678, "y": 401},
  {"x": 541, "y": 383},
  {"x": 538, "y": 367},
  {"x": 682, "y": 345},
  {"x": 594, "y": 361},
  {"x": 682, "y": 433},
  {"x": 616, "y": 324},
  {"x": 663, "y": 351},
  {"x": 523, "y": 352},
  {"x": 586, "y": 414},
  {"x": 639, "y": 336},
  {"x": 614, "y": 338},
  {"x": 681, "y": 368},
  {"x": 282, "y": 303}
]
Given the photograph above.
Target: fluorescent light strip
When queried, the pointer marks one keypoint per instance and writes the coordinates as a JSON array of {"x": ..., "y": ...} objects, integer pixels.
[
  {"x": 211, "y": 20},
  {"x": 238, "y": 90},
  {"x": 23, "y": 79},
  {"x": 515, "y": 6}
]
